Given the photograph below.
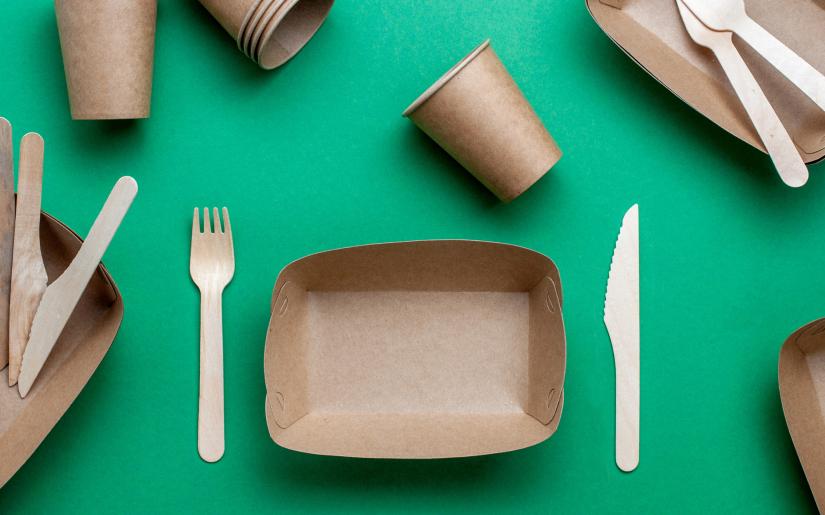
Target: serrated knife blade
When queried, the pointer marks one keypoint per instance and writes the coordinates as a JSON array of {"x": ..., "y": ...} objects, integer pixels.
[{"x": 621, "y": 316}]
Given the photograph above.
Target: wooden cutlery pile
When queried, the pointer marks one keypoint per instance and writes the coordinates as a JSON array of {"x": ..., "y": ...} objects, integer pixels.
[
  {"x": 33, "y": 313},
  {"x": 711, "y": 24}
]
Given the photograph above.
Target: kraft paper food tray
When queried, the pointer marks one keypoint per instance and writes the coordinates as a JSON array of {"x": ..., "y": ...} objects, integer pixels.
[
  {"x": 652, "y": 34},
  {"x": 24, "y": 423},
  {"x": 802, "y": 389},
  {"x": 428, "y": 349}
]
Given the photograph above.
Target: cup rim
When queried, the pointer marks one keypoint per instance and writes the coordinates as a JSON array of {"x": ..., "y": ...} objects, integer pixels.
[
  {"x": 270, "y": 13},
  {"x": 451, "y": 73},
  {"x": 251, "y": 14},
  {"x": 275, "y": 23},
  {"x": 268, "y": 28}
]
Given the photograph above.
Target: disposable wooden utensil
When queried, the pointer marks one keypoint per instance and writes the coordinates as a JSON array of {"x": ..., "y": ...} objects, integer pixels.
[
  {"x": 730, "y": 15},
  {"x": 781, "y": 148},
  {"x": 62, "y": 295},
  {"x": 6, "y": 233},
  {"x": 212, "y": 265},
  {"x": 28, "y": 275},
  {"x": 621, "y": 316}
]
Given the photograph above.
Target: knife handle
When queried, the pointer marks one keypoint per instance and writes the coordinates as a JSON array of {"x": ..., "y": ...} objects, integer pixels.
[
  {"x": 80, "y": 271},
  {"x": 773, "y": 134},
  {"x": 627, "y": 406},
  {"x": 786, "y": 61},
  {"x": 30, "y": 180}
]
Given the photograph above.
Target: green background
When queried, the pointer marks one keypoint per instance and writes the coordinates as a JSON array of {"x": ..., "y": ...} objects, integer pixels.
[{"x": 316, "y": 156}]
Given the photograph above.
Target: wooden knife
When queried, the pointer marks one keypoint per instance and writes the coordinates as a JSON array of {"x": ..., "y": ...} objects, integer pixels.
[
  {"x": 63, "y": 294},
  {"x": 621, "y": 316},
  {"x": 6, "y": 233},
  {"x": 28, "y": 273}
]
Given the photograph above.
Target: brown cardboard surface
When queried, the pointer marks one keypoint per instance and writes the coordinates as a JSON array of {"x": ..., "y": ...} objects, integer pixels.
[
  {"x": 802, "y": 389},
  {"x": 477, "y": 113},
  {"x": 651, "y": 32},
  {"x": 108, "y": 54},
  {"x": 24, "y": 423},
  {"x": 270, "y": 31},
  {"x": 428, "y": 349}
]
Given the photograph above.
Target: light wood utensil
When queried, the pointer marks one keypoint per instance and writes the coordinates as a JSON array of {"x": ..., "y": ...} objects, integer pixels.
[
  {"x": 621, "y": 316},
  {"x": 781, "y": 148},
  {"x": 212, "y": 265},
  {"x": 62, "y": 295},
  {"x": 730, "y": 15},
  {"x": 6, "y": 233},
  {"x": 28, "y": 273}
]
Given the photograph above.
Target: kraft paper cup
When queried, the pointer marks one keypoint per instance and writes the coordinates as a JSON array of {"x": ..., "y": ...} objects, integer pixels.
[
  {"x": 270, "y": 31},
  {"x": 108, "y": 54},
  {"x": 477, "y": 113}
]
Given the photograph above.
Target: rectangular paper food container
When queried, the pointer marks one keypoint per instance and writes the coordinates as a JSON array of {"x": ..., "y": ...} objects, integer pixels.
[
  {"x": 24, "y": 423},
  {"x": 428, "y": 349},
  {"x": 652, "y": 34}
]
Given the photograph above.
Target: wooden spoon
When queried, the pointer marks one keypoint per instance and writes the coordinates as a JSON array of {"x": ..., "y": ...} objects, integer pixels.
[
  {"x": 781, "y": 148},
  {"x": 730, "y": 15}
]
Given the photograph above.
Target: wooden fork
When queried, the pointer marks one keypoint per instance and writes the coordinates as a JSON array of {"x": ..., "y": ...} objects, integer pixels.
[{"x": 212, "y": 265}]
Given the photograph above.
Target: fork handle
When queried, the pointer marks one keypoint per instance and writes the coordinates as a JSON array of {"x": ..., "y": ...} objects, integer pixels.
[{"x": 210, "y": 395}]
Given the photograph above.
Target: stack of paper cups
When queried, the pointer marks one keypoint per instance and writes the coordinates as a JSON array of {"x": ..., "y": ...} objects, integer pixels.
[
  {"x": 108, "y": 54},
  {"x": 477, "y": 113},
  {"x": 270, "y": 32}
]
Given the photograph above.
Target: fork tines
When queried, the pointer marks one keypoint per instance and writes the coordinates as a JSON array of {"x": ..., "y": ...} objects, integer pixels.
[{"x": 211, "y": 226}]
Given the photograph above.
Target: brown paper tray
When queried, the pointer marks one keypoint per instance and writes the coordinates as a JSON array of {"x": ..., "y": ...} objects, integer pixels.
[
  {"x": 802, "y": 389},
  {"x": 24, "y": 423},
  {"x": 652, "y": 34},
  {"x": 429, "y": 349}
]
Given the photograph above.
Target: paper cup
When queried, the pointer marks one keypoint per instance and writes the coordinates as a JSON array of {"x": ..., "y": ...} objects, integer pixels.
[
  {"x": 477, "y": 113},
  {"x": 108, "y": 54},
  {"x": 270, "y": 31}
]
